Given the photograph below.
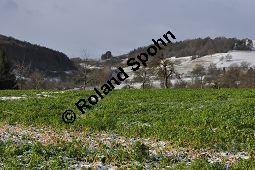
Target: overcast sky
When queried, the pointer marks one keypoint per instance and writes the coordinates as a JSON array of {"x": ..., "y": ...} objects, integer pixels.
[{"x": 122, "y": 25}]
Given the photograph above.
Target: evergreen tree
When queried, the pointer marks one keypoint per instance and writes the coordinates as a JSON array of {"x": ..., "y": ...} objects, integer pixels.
[{"x": 7, "y": 79}]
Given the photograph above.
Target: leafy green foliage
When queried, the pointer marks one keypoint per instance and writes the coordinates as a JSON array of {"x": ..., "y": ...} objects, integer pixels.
[{"x": 141, "y": 151}]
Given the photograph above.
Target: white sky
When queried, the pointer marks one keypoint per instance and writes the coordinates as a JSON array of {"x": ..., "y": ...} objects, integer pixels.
[{"x": 122, "y": 25}]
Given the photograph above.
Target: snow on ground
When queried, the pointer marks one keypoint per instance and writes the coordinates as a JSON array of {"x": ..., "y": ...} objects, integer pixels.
[
  {"x": 237, "y": 58},
  {"x": 21, "y": 135},
  {"x": 253, "y": 42},
  {"x": 186, "y": 65},
  {"x": 39, "y": 95},
  {"x": 11, "y": 98}
]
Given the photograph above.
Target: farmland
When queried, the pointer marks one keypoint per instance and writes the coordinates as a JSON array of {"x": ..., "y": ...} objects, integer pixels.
[{"x": 174, "y": 128}]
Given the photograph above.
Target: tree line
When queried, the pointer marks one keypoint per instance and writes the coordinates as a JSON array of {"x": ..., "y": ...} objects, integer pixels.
[{"x": 200, "y": 47}]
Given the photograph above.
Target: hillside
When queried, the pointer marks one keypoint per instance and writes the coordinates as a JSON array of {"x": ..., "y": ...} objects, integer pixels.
[
  {"x": 41, "y": 58},
  {"x": 187, "y": 54},
  {"x": 198, "y": 47},
  {"x": 219, "y": 59}
]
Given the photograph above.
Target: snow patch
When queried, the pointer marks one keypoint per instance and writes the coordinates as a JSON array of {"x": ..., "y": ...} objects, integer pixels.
[
  {"x": 11, "y": 98},
  {"x": 253, "y": 42},
  {"x": 237, "y": 58}
]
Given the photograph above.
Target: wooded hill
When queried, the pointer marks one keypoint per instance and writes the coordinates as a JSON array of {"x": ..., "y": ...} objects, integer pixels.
[
  {"x": 198, "y": 47},
  {"x": 39, "y": 58}
]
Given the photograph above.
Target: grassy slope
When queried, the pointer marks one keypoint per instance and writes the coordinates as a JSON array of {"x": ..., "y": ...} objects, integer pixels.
[
  {"x": 211, "y": 119},
  {"x": 216, "y": 120}
]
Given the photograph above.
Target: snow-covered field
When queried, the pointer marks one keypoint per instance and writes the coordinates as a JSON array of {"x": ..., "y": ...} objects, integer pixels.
[
  {"x": 186, "y": 64},
  {"x": 39, "y": 95},
  {"x": 237, "y": 58}
]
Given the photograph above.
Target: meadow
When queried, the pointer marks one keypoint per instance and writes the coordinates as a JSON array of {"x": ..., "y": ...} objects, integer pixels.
[{"x": 154, "y": 128}]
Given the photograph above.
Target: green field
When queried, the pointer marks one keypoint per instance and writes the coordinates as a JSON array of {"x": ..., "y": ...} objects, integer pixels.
[{"x": 204, "y": 122}]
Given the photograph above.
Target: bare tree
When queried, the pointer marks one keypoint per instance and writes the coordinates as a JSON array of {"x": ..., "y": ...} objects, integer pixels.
[
  {"x": 249, "y": 78},
  {"x": 85, "y": 68},
  {"x": 166, "y": 69},
  {"x": 143, "y": 75},
  {"x": 82, "y": 75},
  {"x": 231, "y": 77},
  {"x": 22, "y": 70},
  {"x": 100, "y": 76},
  {"x": 213, "y": 75},
  {"x": 198, "y": 72},
  {"x": 37, "y": 79}
]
